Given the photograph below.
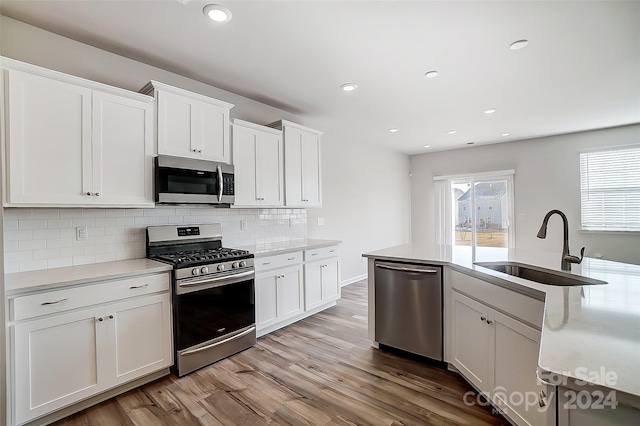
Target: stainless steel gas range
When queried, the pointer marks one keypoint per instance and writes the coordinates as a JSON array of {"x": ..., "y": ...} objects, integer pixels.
[{"x": 213, "y": 293}]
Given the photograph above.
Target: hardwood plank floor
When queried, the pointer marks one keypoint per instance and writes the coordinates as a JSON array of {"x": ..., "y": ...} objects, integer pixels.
[{"x": 320, "y": 371}]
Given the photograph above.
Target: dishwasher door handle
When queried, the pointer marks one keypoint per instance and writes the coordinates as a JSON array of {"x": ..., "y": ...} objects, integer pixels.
[{"x": 397, "y": 268}]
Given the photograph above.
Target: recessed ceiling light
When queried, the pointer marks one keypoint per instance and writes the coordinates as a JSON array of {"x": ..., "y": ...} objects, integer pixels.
[
  {"x": 427, "y": 146},
  {"x": 349, "y": 87},
  {"x": 506, "y": 134},
  {"x": 489, "y": 110},
  {"x": 431, "y": 74},
  {"x": 217, "y": 12},
  {"x": 519, "y": 44},
  {"x": 393, "y": 130},
  {"x": 452, "y": 132}
]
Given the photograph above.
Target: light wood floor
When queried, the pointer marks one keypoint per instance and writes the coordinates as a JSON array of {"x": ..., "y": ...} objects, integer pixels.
[{"x": 319, "y": 371}]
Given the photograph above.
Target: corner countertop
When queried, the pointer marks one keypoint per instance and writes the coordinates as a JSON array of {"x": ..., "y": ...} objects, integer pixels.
[
  {"x": 270, "y": 249},
  {"x": 21, "y": 283},
  {"x": 587, "y": 330}
]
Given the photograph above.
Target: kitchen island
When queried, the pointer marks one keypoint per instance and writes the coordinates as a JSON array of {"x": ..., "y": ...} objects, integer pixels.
[{"x": 590, "y": 335}]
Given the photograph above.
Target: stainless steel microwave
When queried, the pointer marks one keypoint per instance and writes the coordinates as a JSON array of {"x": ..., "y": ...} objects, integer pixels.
[{"x": 187, "y": 181}]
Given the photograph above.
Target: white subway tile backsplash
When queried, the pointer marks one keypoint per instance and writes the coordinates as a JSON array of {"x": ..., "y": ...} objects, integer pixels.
[{"x": 46, "y": 238}]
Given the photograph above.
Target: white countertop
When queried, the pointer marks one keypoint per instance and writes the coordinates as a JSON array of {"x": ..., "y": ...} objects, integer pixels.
[
  {"x": 21, "y": 283},
  {"x": 586, "y": 328},
  {"x": 262, "y": 250}
]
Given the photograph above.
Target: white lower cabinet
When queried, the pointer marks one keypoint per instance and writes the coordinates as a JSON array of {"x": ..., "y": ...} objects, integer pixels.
[
  {"x": 279, "y": 296},
  {"x": 69, "y": 356},
  {"x": 322, "y": 284},
  {"x": 499, "y": 355},
  {"x": 285, "y": 295}
]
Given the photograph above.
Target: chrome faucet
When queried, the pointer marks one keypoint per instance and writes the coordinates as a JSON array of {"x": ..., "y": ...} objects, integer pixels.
[{"x": 567, "y": 259}]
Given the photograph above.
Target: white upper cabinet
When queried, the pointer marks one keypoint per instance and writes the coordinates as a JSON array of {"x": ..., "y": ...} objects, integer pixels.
[
  {"x": 258, "y": 162},
  {"x": 302, "y": 165},
  {"x": 191, "y": 125},
  {"x": 73, "y": 142}
]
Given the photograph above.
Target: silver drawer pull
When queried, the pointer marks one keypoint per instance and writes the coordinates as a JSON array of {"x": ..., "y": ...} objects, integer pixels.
[
  {"x": 138, "y": 286},
  {"x": 53, "y": 303},
  {"x": 314, "y": 254},
  {"x": 266, "y": 263},
  {"x": 331, "y": 251},
  {"x": 291, "y": 258}
]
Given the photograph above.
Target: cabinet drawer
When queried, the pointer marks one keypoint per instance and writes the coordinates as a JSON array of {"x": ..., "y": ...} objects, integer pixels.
[
  {"x": 278, "y": 261},
  {"x": 320, "y": 253},
  {"x": 515, "y": 304},
  {"x": 72, "y": 298}
]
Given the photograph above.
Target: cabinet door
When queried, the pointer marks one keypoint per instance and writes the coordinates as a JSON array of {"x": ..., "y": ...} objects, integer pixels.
[
  {"x": 139, "y": 337},
  {"x": 58, "y": 361},
  {"x": 515, "y": 360},
  {"x": 330, "y": 280},
  {"x": 122, "y": 151},
  {"x": 270, "y": 184},
  {"x": 312, "y": 285},
  {"x": 302, "y": 168},
  {"x": 49, "y": 141},
  {"x": 175, "y": 130},
  {"x": 211, "y": 132},
  {"x": 311, "y": 178},
  {"x": 266, "y": 299},
  {"x": 291, "y": 293},
  {"x": 246, "y": 165},
  {"x": 471, "y": 339}
]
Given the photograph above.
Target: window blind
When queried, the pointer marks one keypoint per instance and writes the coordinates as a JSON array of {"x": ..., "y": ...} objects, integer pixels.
[{"x": 610, "y": 189}]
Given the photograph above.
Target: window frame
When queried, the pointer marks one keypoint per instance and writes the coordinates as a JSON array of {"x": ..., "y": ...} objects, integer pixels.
[{"x": 584, "y": 162}]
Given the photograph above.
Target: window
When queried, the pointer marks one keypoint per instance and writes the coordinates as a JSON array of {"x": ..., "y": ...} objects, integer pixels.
[
  {"x": 610, "y": 189},
  {"x": 487, "y": 230}
]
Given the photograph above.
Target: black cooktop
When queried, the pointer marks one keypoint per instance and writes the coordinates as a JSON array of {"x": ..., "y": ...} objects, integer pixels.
[{"x": 182, "y": 259}]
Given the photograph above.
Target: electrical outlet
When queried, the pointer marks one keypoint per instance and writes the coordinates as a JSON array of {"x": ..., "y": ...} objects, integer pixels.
[
  {"x": 243, "y": 225},
  {"x": 82, "y": 233},
  {"x": 321, "y": 221}
]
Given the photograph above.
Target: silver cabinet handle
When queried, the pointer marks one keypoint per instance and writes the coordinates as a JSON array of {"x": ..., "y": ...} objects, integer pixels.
[
  {"x": 97, "y": 194},
  {"x": 138, "y": 286},
  {"x": 110, "y": 316},
  {"x": 489, "y": 322},
  {"x": 53, "y": 303},
  {"x": 395, "y": 268},
  {"x": 314, "y": 254},
  {"x": 100, "y": 319},
  {"x": 204, "y": 348},
  {"x": 199, "y": 151},
  {"x": 483, "y": 319},
  {"x": 291, "y": 258},
  {"x": 88, "y": 193},
  {"x": 331, "y": 251},
  {"x": 542, "y": 399},
  {"x": 266, "y": 263}
]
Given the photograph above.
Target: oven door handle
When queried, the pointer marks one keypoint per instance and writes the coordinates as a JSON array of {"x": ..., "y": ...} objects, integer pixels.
[
  {"x": 228, "y": 339},
  {"x": 220, "y": 182},
  {"x": 216, "y": 280}
]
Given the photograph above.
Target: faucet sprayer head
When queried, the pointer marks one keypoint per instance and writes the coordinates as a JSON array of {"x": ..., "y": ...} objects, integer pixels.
[{"x": 542, "y": 233}]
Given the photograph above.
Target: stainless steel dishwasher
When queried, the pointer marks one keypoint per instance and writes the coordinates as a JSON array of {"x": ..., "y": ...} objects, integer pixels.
[{"x": 408, "y": 307}]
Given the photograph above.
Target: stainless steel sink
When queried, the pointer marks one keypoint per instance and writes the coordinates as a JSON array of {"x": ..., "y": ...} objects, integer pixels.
[{"x": 539, "y": 275}]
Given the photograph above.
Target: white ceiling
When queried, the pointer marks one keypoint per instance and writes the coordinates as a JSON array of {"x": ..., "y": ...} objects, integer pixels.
[{"x": 580, "y": 71}]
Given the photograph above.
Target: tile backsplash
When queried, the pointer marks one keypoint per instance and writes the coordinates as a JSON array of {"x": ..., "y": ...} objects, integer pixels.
[{"x": 46, "y": 238}]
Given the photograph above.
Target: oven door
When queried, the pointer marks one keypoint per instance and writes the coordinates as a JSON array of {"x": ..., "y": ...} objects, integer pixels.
[{"x": 206, "y": 309}]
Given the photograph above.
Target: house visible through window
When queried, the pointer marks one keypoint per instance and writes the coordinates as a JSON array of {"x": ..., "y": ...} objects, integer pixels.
[
  {"x": 610, "y": 189},
  {"x": 462, "y": 221}
]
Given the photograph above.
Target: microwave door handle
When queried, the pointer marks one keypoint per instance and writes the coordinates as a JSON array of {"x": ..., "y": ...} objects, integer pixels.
[{"x": 220, "y": 182}]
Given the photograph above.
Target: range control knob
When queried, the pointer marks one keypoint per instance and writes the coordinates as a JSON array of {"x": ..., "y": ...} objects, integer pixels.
[
  {"x": 205, "y": 270},
  {"x": 235, "y": 265},
  {"x": 195, "y": 271},
  {"x": 243, "y": 263},
  {"x": 220, "y": 267}
]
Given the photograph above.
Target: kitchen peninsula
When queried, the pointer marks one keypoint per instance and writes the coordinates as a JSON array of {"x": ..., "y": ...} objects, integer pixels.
[{"x": 589, "y": 336}]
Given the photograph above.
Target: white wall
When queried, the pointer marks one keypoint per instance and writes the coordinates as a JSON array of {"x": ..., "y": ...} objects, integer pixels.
[
  {"x": 547, "y": 177},
  {"x": 366, "y": 189}
]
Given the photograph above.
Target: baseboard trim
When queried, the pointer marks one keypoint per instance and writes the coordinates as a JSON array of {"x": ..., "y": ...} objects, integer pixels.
[{"x": 353, "y": 280}]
